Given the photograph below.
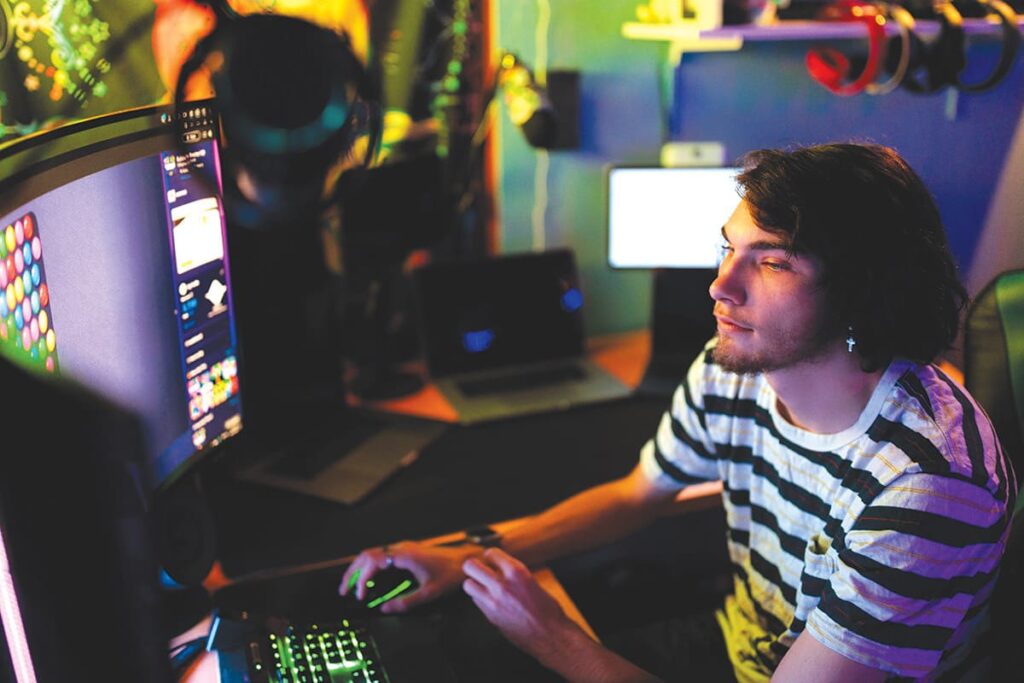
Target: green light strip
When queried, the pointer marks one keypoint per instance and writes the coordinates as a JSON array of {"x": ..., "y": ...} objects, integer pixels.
[{"x": 393, "y": 593}]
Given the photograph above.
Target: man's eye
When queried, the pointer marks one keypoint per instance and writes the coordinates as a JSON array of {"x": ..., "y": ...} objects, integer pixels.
[{"x": 776, "y": 266}]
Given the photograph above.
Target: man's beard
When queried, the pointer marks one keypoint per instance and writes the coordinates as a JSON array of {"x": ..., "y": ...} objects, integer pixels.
[{"x": 788, "y": 352}]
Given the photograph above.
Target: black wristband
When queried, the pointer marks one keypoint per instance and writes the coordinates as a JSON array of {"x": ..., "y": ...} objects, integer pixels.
[{"x": 483, "y": 536}]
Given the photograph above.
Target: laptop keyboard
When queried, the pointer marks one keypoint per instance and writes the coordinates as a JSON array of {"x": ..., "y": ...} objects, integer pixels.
[
  {"x": 521, "y": 381},
  {"x": 311, "y": 455},
  {"x": 336, "y": 653}
]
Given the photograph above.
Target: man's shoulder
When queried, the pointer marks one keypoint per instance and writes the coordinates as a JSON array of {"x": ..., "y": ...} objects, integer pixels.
[
  {"x": 926, "y": 398},
  {"x": 936, "y": 420}
]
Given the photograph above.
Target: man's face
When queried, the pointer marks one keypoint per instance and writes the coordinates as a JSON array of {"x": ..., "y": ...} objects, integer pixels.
[{"x": 769, "y": 305}]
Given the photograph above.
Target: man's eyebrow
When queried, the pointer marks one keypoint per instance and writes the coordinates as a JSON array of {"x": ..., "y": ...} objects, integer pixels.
[{"x": 765, "y": 245}]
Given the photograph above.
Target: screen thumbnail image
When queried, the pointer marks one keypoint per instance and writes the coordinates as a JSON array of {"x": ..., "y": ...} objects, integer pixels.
[{"x": 26, "y": 319}]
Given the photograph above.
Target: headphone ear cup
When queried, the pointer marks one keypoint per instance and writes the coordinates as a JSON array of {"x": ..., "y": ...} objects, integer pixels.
[{"x": 828, "y": 66}]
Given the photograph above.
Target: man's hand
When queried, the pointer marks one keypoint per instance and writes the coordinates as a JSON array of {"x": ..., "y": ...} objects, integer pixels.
[
  {"x": 511, "y": 599},
  {"x": 438, "y": 570}
]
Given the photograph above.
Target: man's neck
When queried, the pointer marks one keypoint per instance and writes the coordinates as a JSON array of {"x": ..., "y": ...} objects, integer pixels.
[{"x": 825, "y": 395}]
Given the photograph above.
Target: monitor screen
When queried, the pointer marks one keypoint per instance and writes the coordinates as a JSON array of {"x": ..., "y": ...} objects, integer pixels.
[
  {"x": 115, "y": 272},
  {"x": 668, "y": 217}
]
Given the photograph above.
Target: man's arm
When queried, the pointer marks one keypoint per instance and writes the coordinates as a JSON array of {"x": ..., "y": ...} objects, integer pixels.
[
  {"x": 507, "y": 594},
  {"x": 591, "y": 518},
  {"x": 810, "y": 661}
]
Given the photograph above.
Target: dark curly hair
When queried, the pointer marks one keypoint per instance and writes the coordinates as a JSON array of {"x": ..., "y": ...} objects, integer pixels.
[{"x": 888, "y": 271}]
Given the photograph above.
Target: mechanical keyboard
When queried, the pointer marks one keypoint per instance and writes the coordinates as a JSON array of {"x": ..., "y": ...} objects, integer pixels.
[{"x": 320, "y": 653}]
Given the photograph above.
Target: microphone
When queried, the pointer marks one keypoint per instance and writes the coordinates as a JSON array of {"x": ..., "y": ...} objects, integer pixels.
[{"x": 529, "y": 106}]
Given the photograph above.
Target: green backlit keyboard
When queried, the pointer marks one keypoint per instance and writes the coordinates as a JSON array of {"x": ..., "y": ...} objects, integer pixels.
[{"x": 320, "y": 653}]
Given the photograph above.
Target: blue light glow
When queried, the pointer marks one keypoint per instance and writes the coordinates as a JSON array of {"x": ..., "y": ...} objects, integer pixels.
[
  {"x": 477, "y": 341},
  {"x": 572, "y": 300}
]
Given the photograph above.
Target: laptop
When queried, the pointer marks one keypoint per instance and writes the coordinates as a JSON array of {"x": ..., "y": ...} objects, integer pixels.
[{"x": 503, "y": 337}]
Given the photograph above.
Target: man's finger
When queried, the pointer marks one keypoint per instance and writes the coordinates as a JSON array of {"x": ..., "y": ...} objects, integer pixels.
[
  {"x": 479, "y": 594},
  {"x": 481, "y": 573},
  {"x": 504, "y": 563},
  {"x": 362, "y": 569},
  {"x": 351, "y": 577}
]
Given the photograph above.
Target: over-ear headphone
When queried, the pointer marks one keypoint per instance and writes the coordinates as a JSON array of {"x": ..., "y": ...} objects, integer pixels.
[
  {"x": 831, "y": 68},
  {"x": 1008, "y": 50},
  {"x": 943, "y": 59},
  {"x": 898, "y": 58},
  {"x": 288, "y": 114}
]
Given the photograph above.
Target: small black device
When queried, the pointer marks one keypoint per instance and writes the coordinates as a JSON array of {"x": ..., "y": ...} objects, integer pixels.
[{"x": 388, "y": 584}]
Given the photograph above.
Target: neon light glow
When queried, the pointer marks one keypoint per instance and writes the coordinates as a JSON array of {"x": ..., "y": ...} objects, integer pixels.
[
  {"x": 393, "y": 593},
  {"x": 14, "y": 629}
]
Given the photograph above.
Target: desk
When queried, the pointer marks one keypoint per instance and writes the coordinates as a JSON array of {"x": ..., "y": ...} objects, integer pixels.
[{"x": 470, "y": 475}]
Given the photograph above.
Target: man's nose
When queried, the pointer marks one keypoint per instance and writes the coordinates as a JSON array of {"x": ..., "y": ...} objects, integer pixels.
[{"x": 727, "y": 287}]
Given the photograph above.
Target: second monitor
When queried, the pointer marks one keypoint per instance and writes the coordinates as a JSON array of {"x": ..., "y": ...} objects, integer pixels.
[{"x": 668, "y": 217}]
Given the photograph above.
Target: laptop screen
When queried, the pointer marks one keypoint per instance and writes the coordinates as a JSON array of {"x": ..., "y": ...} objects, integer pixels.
[
  {"x": 668, "y": 217},
  {"x": 499, "y": 312}
]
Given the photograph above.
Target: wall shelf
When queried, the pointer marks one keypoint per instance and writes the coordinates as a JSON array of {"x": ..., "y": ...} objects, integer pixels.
[{"x": 685, "y": 37}]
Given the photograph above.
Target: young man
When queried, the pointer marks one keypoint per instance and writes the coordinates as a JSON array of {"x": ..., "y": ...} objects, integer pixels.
[{"x": 865, "y": 492}]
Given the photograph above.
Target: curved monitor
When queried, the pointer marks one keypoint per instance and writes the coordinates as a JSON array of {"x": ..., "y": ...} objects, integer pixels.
[
  {"x": 115, "y": 272},
  {"x": 668, "y": 217}
]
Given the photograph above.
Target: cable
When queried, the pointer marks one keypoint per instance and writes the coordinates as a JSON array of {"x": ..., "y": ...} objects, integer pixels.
[
  {"x": 540, "y": 41},
  {"x": 540, "y": 199},
  {"x": 542, "y": 161}
]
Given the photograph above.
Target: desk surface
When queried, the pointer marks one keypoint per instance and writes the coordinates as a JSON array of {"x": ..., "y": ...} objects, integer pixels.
[{"x": 470, "y": 475}]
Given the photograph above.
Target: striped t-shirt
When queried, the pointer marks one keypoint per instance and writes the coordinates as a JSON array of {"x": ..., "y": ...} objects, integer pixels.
[{"x": 883, "y": 541}]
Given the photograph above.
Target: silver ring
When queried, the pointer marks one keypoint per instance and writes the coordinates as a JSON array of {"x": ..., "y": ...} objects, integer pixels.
[{"x": 389, "y": 561}]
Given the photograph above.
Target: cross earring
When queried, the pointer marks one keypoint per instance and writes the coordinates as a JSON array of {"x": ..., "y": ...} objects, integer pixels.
[{"x": 850, "y": 341}]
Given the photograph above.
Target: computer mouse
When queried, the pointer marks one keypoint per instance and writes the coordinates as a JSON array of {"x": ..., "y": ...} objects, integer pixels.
[{"x": 386, "y": 585}]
